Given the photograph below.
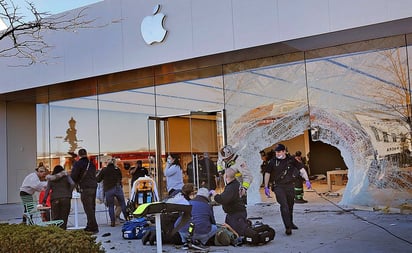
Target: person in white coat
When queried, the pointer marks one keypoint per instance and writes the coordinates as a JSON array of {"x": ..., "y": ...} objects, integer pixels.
[{"x": 32, "y": 183}]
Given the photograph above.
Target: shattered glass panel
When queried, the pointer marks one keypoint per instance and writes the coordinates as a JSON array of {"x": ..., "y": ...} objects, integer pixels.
[
  {"x": 264, "y": 106},
  {"x": 360, "y": 103}
]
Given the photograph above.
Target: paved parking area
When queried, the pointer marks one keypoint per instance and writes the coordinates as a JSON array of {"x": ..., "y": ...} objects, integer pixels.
[{"x": 323, "y": 227}]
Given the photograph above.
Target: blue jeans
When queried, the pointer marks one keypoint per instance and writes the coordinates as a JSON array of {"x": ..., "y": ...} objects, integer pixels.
[
  {"x": 203, "y": 238},
  {"x": 117, "y": 192}
]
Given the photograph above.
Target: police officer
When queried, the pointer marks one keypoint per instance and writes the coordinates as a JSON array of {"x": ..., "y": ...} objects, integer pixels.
[
  {"x": 229, "y": 159},
  {"x": 282, "y": 171}
]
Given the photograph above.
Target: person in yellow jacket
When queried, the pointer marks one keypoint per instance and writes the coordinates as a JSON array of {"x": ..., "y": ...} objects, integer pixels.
[{"x": 229, "y": 159}]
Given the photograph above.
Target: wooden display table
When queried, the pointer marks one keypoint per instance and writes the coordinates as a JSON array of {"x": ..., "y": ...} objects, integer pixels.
[{"x": 338, "y": 174}]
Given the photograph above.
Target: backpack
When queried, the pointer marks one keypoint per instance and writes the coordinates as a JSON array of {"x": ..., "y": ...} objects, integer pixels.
[
  {"x": 259, "y": 233},
  {"x": 225, "y": 237},
  {"x": 135, "y": 229}
]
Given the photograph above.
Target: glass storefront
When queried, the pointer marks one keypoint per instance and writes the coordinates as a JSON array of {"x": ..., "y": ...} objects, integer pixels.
[{"x": 354, "y": 97}]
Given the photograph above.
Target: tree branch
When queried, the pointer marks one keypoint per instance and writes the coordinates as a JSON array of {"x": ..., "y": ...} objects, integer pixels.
[{"x": 25, "y": 39}]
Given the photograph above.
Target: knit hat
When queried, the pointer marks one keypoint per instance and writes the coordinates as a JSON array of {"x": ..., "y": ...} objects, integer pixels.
[{"x": 203, "y": 192}]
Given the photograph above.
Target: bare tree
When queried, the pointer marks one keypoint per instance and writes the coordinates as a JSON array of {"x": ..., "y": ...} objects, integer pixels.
[
  {"x": 397, "y": 91},
  {"x": 25, "y": 39}
]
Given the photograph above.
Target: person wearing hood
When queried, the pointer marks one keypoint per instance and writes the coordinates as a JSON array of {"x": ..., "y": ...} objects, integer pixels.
[{"x": 61, "y": 186}]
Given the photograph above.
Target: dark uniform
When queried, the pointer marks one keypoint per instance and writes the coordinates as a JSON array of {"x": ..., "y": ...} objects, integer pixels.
[
  {"x": 234, "y": 207},
  {"x": 283, "y": 173}
]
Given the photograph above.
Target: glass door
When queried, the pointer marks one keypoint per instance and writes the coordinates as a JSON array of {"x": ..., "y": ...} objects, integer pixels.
[{"x": 196, "y": 137}]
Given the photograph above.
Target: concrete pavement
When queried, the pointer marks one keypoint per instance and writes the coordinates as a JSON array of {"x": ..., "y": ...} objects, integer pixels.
[{"x": 323, "y": 227}]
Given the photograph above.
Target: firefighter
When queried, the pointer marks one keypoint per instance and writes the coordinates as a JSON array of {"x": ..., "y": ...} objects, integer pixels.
[{"x": 229, "y": 159}]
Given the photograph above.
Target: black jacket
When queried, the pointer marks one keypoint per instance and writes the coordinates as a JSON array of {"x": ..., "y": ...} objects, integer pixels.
[
  {"x": 111, "y": 176},
  {"x": 89, "y": 180},
  {"x": 283, "y": 171},
  {"x": 230, "y": 199}
]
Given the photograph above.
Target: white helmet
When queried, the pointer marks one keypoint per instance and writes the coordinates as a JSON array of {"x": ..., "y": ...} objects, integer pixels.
[{"x": 226, "y": 152}]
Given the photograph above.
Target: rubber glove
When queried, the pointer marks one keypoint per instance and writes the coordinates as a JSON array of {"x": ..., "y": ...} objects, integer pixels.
[
  {"x": 267, "y": 192},
  {"x": 308, "y": 185}
]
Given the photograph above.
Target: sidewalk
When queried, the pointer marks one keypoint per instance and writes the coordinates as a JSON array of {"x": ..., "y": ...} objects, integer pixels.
[{"x": 323, "y": 227}]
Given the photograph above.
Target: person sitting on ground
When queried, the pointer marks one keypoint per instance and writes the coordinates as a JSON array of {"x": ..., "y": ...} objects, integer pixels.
[
  {"x": 187, "y": 191},
  {"x": 232, "y": 203},
  {"x": 203, "y": 219}
]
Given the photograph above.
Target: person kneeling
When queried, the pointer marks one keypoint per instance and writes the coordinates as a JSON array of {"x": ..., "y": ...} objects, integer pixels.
[{"x": 196, "y": 233}]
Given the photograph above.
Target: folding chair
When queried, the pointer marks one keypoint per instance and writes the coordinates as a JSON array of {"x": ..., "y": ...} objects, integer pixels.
[{"x": 34, "y": 216}]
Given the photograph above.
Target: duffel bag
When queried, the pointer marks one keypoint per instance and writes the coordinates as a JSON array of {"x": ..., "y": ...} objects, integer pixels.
[
  {"x": 135, "y": 228},
  {"x": 259, "y": 234}
]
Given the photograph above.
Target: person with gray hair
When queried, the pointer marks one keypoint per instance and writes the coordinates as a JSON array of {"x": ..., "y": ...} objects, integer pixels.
[{"x": 203, "y": 222}]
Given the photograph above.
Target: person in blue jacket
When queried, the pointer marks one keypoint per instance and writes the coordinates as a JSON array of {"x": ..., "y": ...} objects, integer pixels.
[{"x": 203, "y": 222}]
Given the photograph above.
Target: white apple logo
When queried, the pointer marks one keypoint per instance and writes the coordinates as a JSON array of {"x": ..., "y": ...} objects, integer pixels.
[{"x": 152, "y": 27}]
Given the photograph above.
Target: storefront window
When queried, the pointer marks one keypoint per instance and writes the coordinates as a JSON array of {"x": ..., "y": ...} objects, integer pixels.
[
  {"x": 352, "y": 97},
  {"x": 356, "y": 101}
]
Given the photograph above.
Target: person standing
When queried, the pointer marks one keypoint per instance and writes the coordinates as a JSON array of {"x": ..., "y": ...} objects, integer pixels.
[
  {"x": 84, "y": 175},
  {"x": 61, "y": 185},
  {"x": 232, "y": 203},
  {"x": 173, "y": 173},
  {"x": 229, "y": 159},
  {"x": 263, "y": 165},
  {"x": 282, "y": 171},
  {"x": 209, "y": 170},
  {"x": 299, "y": 193},
  {"x": 112, "y": 186},
  {"x": 32, "y": 183},
  {"x": 138, "y": 171}
]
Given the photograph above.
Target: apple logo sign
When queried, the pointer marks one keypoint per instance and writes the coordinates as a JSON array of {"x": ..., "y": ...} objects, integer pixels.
[{"x": 152, "y": 27}]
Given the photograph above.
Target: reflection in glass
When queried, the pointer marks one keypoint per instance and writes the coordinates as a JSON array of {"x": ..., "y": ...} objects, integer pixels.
[
  {"x": 356, "y": 101},
  {"x": 73, "y": 124},
  {"x": 123, "y": 120}
]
